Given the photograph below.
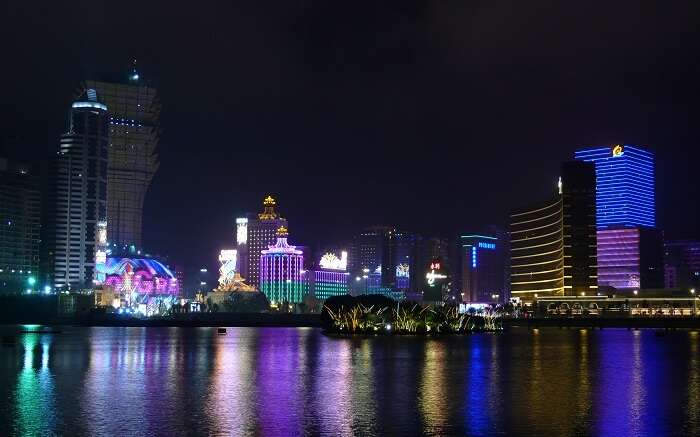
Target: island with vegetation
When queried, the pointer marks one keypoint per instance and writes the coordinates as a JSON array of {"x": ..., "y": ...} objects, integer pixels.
[{"x": 376, "y": 314}]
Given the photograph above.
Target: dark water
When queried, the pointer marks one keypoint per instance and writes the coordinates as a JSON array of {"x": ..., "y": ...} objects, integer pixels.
[{"x": 284, "y": 382}]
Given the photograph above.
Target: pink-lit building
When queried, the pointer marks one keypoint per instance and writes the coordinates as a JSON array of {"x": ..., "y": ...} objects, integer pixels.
[
  {"x": 280, "y": 271},
  {"x": 630, "y": 259}
]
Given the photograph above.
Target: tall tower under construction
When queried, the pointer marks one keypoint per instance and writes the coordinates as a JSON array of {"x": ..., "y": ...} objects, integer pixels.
[{"x": 134, "y": 113}]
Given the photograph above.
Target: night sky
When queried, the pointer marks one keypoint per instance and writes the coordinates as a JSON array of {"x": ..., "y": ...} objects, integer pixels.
[{"x": 436, "y": 117}]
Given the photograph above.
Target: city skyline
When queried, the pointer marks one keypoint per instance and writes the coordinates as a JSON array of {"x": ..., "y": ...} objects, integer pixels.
[{"x": 456, "y": 144}]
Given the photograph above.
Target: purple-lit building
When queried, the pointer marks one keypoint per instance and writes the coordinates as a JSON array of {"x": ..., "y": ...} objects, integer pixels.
[
  {"x": 630, "y": 259},
  {"x": 682, "y": 264},
  {"x": 280, "y": 271}
]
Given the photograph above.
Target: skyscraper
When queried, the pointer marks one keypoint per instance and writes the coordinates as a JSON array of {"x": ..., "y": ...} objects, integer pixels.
[
  {"x": 134, "y": 113},
  {"x": 482, "y": 264},
  {"x": 331, "y": 278},
  {"x": 682, "y": 264},
  {"x": 388, "y": 252},
  {"x": 19, "y": 227},
  {"x": 537, "y": 250},
  {"x": 280, "y": 271},
  {"x": 630, "y": 258},
  {"x": 553, "y": 244},
  {"x": 254, "y": 235},
  {"x": 624, "y": 185},
  {"x": 578, "y": 185},
  {"x": 80, "y": 198},
  {"x": 630, "y": 251}
]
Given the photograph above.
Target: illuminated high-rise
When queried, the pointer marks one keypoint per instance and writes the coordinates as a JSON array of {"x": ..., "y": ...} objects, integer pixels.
[
  {"x": 79, "y": 206},
  {"x": 630, "y": 258},
  {"x": 134, "y": 129},
  {"x": 624, "y": 185},
  {"x": 482, "y": 264},
  {"x": 630, "y": 248},
  {"x": 389, "y": 254},
  {"x": 255, "y": 234},
  {"x": 553, "y": 244},
  {"x": 280, "y": 271},
  {"x": 537, "y": 250},
  {"x": 19, "y": 227},
  {"x": 682, "y": 264},
  {"x": 578, "y": 190},
  {"x": 331, "y": 278}
]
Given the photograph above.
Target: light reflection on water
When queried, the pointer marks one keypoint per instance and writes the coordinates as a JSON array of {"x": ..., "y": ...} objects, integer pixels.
[{"x": 282, "y": 382}]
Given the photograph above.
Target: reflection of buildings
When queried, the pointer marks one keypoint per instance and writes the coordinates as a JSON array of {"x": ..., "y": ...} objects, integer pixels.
[
  {"x": 682, "y": 264},
  {"x": 482, "y": 263},
  {"x": 630, "y": 248},
  {"x": 80, "y": 194},
  {"x": 19, "y": 227},
  {"x": 254, "y": 235},
  {"x": 134, "y": 113},
  {"x": 280, "y": 271}
]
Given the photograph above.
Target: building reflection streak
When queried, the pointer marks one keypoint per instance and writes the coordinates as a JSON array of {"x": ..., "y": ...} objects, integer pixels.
[
  {"x": 34, "y": 397},
  {"x": 279, "y": 404},
  {"x": 476, "y": 404},
  {"x": 231, "y": 392},
  {"x": 637, "y": 402},
  {"x": 693, "y": 396},
  {"x": 583, "y": 382},
  {"x": 332, "y": 387},
  {"x": 432, "y": 393},
  {"x": 362, "y": 388},
  {"x": 112, "y": 399},
  {"x": 495, "y": 393}
]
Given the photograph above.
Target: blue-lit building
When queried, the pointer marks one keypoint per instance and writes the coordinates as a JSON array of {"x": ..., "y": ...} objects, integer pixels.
[
  {"x": 482, "y": 259},
  {"x": 624, "y": 185},
  {"x": 629, "y": 246}
]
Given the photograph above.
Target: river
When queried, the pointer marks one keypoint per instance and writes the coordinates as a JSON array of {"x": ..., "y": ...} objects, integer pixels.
[{"x": 297, "y": 381}]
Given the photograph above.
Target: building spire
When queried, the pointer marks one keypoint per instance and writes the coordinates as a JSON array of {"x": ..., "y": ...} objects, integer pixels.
[
  {"x": 134, "y": 74},
  {"x": 269, "y": 209}
]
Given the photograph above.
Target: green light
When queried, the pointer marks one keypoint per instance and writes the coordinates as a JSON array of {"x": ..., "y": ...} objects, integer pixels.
[{"x": 31, "y": 280}]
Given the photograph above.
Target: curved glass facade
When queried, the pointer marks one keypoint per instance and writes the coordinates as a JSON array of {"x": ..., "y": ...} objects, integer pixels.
[{"x": 537, "y": 250}]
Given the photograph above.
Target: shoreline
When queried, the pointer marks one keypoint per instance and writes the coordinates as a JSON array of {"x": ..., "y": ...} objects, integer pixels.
[{"x": 314, "y": 321}]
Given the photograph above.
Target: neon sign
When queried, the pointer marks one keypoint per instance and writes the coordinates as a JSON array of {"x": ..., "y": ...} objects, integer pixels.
[
  {"x": 432, "y": 276},
  {"x": 330, "y": 261},
  {"x": 241, "y": 230},
  {"x": 402, "y": 271},
  {"x": 227, "y": 271},
  {"x": 142, "y": 276}
]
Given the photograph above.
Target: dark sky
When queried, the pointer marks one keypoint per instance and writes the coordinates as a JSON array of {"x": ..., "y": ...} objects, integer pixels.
[{"x": 433, "y": 116}]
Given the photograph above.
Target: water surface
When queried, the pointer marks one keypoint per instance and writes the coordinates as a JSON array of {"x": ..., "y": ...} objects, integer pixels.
[{"x": 296, "y": 381}]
